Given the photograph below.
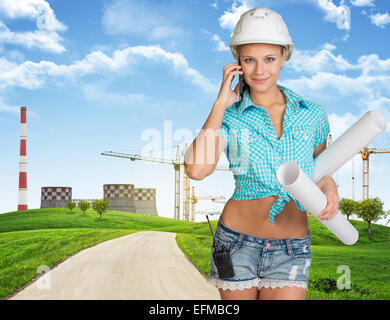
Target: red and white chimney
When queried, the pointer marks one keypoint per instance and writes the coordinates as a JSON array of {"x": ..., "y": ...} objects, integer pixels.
[{"x": 22, "y": 202}]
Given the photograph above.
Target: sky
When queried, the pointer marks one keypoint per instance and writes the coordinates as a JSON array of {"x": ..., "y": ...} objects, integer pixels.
[{"x": 140, "y": 77}]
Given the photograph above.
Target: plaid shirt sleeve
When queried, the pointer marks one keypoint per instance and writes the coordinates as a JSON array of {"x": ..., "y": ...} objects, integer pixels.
[
  {"x": 224, "y": 131},
  {"x": 323, "y": 129}
]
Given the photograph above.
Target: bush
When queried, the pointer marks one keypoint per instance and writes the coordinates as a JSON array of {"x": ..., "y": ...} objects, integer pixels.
[
  {"x": 84, "y": 206},
  {"x": 324, "y": 284},
  {"x": 71, "y": 205},
  {"x": 100, "y": 206}
]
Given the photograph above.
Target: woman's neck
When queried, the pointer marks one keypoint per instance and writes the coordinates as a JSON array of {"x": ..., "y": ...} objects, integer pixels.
[{"x": 269, "y": 98}]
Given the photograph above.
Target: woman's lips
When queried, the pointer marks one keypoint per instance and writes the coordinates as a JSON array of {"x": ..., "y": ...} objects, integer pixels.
[{"x": 260, "y": 80}]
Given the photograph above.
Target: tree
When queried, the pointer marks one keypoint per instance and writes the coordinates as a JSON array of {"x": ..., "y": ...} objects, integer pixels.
[
  {"x": 347, "y": 206},
  {"x": 100, "y": 206},
  {"x": 370, "y": 210},
  {"x": 84, "y": 206},
  {"x": 71, "y": 205}
]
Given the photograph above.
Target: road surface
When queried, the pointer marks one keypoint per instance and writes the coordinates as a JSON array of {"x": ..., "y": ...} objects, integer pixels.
[{"x": 141, "y": 266}]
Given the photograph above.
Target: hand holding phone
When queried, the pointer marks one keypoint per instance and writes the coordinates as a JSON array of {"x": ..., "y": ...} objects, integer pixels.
[{"x": 226, "y": 95}]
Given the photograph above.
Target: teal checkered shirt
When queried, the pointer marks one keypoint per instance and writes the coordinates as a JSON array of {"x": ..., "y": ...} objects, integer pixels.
[{"x": 255, "y": 153}]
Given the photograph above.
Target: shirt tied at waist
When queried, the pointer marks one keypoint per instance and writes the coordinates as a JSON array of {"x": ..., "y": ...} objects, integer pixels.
[{"x": 279, "y": 204}]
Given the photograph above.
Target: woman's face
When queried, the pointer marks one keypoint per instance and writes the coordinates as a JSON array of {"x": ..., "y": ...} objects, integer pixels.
[{"x": 261, "y": 64}]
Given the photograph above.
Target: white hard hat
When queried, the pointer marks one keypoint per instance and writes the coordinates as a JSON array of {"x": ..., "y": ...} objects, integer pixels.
[{"x": 261, "y": 25}]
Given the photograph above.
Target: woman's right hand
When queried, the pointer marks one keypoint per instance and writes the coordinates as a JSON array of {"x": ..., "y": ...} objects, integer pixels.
[{"x": 226, "y": 95}]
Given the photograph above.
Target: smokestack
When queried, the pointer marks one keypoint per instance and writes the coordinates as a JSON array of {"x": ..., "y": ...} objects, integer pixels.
[{"x": 22, "y": 202}]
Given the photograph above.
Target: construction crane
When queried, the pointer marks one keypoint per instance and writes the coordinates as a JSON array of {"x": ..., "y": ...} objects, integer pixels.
[
  {"x": 365, "y": 168},
  {"x": 366, "y": 162},
  {"x": 177, "y": 164},
  {"x": 194, "y": 200}
]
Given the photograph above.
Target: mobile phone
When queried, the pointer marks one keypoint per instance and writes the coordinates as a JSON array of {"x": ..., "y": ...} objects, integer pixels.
[{"x": 241, "y": 82}]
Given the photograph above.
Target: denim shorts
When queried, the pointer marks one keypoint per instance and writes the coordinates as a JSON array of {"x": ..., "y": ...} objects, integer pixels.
[{"x": 260, "y": 262}]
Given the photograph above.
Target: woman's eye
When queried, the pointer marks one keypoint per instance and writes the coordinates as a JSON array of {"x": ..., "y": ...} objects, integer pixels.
[
  {"x": 247, "y": 60},
  {"x": 270, "y": 58}
]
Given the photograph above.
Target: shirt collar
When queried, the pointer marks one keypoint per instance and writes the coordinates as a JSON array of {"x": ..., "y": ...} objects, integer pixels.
[{"x": 293, "y": 99}]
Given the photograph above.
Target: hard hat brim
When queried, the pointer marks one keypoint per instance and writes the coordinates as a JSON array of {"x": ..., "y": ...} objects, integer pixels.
[{"x": 289, "y": 47}]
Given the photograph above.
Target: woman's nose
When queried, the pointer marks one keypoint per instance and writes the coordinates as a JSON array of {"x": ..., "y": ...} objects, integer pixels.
[{"x": 260, "y": 68}]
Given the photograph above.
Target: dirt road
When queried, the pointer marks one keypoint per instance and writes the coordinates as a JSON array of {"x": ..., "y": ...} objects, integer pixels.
[{"x": 141, "y": 266}]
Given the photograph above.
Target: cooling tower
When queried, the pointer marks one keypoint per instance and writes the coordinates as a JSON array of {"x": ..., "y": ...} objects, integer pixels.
[
  {"x": 119, "y": 196},
  {"x": 145, "y": 201},
  {"x": 55, "y": 197}
]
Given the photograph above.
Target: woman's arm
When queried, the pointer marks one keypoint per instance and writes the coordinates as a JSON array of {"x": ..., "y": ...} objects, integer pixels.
[
  {"x": 329, "y": 187},
  {"x": 202, "y": 156}
]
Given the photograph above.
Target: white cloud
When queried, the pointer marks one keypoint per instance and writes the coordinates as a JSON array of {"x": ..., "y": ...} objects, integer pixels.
[
  {"x": 220, "y": 44},
  {"x": 214, "y": 5},
  {"x": 340, "y": 85},
  {"x": 4, "y": 107},
  {"x": 33, "y": 75},
  {"x": 340, "y": 14},
  {"x": 323, "y": 59},
  {"x": 45, "y": 38},
  {"x": 362, "y": 3},
  {"x": 15, "y": 110},
  {"x": 6, "y": 65},
  {"x": 150, "y": 19},
  {"x": 340, "y": 123},
  {"x": 230, "y": 17},
  {"x": 372, "y": 63},
  {"x": 330, "y": 82},
  {"x": 380, "y": 19},
  {"x": 313, "y": 61}
]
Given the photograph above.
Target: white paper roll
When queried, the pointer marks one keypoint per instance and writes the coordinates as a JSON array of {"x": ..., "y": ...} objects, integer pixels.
[
  {"x": 359, "y": 135},
  {"x": 302, "y": 188}
]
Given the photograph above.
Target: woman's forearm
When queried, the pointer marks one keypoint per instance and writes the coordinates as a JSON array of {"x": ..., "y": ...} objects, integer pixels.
[
  {"x": 327, "y": 183},
  {"x": 202, "y": 156}
]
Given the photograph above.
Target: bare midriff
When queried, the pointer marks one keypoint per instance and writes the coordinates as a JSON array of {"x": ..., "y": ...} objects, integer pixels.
[{"x": 251, "y": 217}]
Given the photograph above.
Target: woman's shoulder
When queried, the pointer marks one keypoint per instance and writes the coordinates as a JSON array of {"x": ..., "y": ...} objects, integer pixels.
[
  {"x": 231, "y": 112},
  {"x": 315, "y": 109},
  {"x": 308, "y": 104}
]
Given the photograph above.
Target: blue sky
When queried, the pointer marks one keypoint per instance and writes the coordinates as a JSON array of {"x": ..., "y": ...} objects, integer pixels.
[{"x": 112, "y": 74}]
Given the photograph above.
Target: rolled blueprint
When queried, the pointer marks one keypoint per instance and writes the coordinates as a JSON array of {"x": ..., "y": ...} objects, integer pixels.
[
  {"x": 359, "y": 135},
  {"x": 302, "y": 188}
]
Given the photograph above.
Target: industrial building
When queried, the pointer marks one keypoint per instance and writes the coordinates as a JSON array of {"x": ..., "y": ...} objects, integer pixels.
[
  {"x": 55, "y": 197},
  {"x": 121, "y": 197},
  {"x": 124, "y": 197},
  {"x": 145, "y": 201}
]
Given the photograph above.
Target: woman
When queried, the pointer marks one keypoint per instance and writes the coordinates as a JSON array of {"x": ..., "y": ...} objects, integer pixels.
[{"x": 264, "y": 230}]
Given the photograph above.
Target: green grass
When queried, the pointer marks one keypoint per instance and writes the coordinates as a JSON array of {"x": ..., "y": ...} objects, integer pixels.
[
  {"x": 33, "y": 238},
  {"x": 23, "y": 252}
]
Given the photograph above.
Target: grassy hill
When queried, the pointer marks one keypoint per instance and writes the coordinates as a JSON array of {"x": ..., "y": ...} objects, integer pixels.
[{"x": 45, "y": 237}]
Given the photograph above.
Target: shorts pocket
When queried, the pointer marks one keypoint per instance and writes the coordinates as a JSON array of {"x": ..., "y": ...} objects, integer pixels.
[
  {"x": 231, "y": 244},
  {"x": 301, "y": 251}
]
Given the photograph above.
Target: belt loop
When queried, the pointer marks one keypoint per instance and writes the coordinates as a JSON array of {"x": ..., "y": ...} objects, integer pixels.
[
  {"x": 239, "y": 240},
  {"x": 289, "y": 248}
]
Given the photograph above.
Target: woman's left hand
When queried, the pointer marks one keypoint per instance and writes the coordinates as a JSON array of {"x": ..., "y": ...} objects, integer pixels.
[{"x": 329, "y": 187}]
